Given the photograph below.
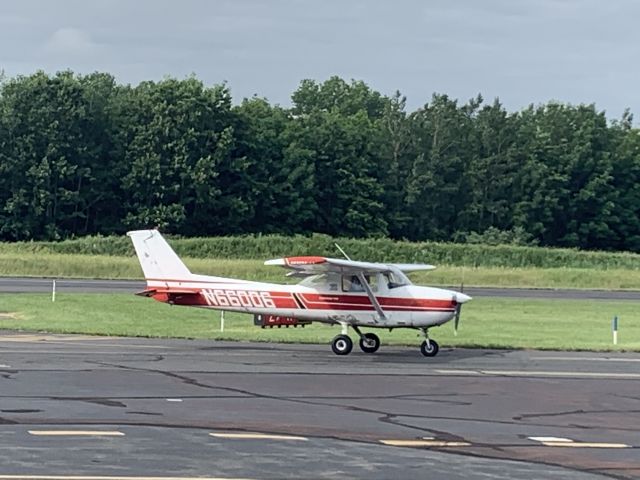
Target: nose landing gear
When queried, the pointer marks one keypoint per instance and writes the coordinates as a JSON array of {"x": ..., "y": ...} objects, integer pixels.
[{"x": 429, "y": 348}]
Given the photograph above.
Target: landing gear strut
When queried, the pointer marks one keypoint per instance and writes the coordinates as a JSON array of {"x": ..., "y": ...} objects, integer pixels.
[{"x": 429, "y": 348}]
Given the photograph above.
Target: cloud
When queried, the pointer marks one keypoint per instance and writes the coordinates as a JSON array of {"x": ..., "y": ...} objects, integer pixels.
[
  {"x": 527, "y": 51},
  {"x": 70, "y": 41}
]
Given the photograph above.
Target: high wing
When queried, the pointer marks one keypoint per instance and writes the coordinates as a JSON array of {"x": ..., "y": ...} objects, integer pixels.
[
  {"x": 304, "y": 266},
  {"x": 313, "y": 265}
]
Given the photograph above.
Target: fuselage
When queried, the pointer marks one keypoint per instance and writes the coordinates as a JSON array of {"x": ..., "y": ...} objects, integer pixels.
[{"x": 330, "y": 300}]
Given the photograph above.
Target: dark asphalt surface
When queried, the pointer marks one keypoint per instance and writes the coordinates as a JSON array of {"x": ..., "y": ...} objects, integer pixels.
[
  {"x": 42, "y": 285},
  {"x": 165, "y": 398}
]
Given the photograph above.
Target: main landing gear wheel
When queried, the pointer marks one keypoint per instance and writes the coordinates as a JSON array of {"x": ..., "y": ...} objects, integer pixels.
[
  {"x": 429, "y": 348},
  {"x": 369, "y": 343},
  {"x": 342, "y": 345}
]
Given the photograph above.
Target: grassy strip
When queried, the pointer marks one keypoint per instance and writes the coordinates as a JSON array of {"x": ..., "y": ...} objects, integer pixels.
[
  {"x": 102, "y": 266},
  {"x": 486, "y": 322},
  {"x": 269, "y": 246}
]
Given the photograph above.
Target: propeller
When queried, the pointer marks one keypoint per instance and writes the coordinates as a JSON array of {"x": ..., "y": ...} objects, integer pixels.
[{"x": 456, "y": 320}]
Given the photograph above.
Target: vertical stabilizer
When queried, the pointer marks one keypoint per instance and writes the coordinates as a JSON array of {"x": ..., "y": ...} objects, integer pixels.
[{"x": 157, "y": 258}]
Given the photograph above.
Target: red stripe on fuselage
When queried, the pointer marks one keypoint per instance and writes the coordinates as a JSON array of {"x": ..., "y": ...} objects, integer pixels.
[
  {"x": 362, "y": 302},
  {"x": 312, "y": 301}
]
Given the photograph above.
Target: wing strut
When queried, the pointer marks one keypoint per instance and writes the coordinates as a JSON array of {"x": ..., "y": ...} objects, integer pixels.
[
  {"x": 372, "y": 296},
  {"x": 367, "y": 287}
]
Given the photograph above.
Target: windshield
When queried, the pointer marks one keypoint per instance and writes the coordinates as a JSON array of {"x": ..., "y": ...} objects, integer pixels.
[{"x": 395, "y": 278}]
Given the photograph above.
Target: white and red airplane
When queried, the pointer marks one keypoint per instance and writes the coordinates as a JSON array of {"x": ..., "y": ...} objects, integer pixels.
[{"x": 335, "y": 291}]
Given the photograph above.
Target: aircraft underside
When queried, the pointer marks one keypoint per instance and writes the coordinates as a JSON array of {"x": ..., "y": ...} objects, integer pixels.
[{"x": 341, "y": 344}]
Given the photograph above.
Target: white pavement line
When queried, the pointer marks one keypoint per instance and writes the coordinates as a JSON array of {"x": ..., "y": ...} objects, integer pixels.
[
  {"x": 567, "y": 442},
  {"x": 424, "y": 443},
  {"x": 78, "y": 341},
  {"x": 588, "y": 359},
  {"x": 459, "y": 372},
  {"x": 585, "y": 445},
  {"x": 550, "y": 439},
  {"x": 539, "y": 373},
  {"x": 89, "y": 433},
  {"x": 5, "y": 366},
  {"x": 115, "y": 345},
  {"x": 174, "y": 399},
  {"x": 257, "y": 436},
  {"x": 103, "y": 477}
]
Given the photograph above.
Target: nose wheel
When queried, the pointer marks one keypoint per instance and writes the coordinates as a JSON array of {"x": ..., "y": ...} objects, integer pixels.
[{"x": 429, "y": 348}]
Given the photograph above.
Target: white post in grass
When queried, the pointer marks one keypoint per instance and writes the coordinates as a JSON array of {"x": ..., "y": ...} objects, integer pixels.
[
  {"x": 222, "y": 321},
  {"x": 614, "y": 329},
  {"x": 53, "y": 291}
]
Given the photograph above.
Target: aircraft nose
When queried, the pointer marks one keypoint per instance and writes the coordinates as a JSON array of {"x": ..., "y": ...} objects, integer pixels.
[{"x": 462, "y": 298}]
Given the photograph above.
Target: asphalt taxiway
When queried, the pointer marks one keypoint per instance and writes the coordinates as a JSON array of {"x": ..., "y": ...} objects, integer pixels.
[
  {"x": 90, "y": 407},
  {"x": 68, "y": 285}
]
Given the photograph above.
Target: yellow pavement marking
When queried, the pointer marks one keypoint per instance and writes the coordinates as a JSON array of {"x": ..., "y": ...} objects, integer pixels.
[
  {"x": 53, "y": 433},
  {"x": 424, "y": 443},
  {"x": 102, "y": 477},
  {"x": 257, "y": 436}
]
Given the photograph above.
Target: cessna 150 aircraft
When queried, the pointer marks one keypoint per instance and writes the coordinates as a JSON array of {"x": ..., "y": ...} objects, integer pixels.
[{"x": 335, "y": 291}]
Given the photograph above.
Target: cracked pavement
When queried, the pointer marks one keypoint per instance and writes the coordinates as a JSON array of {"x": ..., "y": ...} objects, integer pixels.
[{"x": 166, "y": 396}]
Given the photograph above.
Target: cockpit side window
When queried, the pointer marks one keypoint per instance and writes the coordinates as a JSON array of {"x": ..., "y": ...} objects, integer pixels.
[{"x": 351, "y": 283}]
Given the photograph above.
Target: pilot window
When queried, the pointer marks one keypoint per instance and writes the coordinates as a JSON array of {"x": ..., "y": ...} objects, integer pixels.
[
  {"x": 351, "y": 283},
  {"x": 394, "y": 280}
]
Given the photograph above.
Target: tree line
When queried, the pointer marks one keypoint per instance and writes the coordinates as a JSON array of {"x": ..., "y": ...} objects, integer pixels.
[{"x": 83, "y": 154}]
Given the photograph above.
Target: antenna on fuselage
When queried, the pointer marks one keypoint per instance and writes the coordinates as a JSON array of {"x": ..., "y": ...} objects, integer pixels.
[{"x": 342, "y": 251}]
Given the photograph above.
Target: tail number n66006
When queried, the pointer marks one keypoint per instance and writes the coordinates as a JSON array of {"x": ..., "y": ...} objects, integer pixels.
[{"x": 238, "y": 298}]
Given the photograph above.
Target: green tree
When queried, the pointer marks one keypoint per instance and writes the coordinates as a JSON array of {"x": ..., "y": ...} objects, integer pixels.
[
  {"x": 625, "y": 217},
  {"x": 52, "y": 148},
  {"x": 437, "y": 190},
  {"x": 178, "y": 159},
  {"x": 280, "y": 178},
  {"x": 491, "y": 171}
]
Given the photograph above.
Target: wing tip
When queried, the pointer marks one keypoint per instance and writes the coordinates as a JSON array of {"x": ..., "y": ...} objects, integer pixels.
[
  {"x": 296, "y": 261},
  {"x": 275, "y": 261}
]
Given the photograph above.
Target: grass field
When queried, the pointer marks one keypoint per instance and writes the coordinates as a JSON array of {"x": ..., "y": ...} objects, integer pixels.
[
  {"x": 105, "y": 266},
  {"x": 486, "y": 322},
  {"x": 261, "y": 247}
]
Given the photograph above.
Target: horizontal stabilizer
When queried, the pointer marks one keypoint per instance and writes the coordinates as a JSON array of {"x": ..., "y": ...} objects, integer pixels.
[{"x": 176, "y": 291}]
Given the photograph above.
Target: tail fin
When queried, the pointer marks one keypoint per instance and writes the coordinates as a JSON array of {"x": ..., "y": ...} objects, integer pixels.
[{"x": 157, "y": 258}]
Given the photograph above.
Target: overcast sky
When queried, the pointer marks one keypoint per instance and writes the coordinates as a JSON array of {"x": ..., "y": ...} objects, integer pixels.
[{"x": 522, "y": 51}]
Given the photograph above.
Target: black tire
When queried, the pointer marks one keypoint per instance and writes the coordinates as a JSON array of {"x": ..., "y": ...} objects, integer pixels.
[
  {"x": 429, "y": 349},
  {"x": 369, "y": 343},
  {"x": 342, "y": 345}
]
